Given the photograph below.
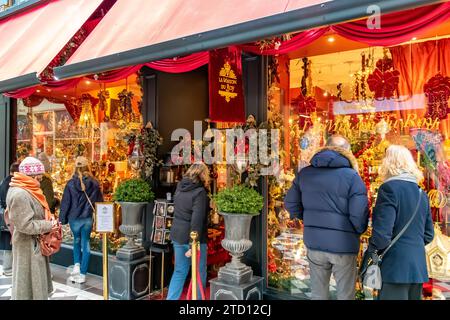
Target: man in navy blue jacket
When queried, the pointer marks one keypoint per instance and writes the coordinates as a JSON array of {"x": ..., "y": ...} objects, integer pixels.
[{"x": 331, "y": 199}]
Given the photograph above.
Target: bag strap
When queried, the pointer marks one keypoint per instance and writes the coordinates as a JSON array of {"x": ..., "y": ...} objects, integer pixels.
[
  {"x": 404, "y": 228},
  {"x": 92, "y": 206},
  {"x": 89, "y": 200}
]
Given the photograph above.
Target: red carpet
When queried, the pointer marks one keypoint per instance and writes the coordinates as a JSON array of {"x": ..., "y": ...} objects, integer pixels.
[{"x": 157, "y": 295}]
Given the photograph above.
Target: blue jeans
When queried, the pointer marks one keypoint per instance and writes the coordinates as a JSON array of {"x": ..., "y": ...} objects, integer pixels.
[
  {"x": 81, "y": 229},
  {"x": 182, "y": 267}
]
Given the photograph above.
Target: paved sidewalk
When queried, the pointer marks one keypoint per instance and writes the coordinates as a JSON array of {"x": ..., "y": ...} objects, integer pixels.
[{"x": 63, "y": 288}]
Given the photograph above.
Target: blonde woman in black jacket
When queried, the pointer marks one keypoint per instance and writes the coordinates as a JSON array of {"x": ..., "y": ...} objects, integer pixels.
[{"x": 191, "y": 214}]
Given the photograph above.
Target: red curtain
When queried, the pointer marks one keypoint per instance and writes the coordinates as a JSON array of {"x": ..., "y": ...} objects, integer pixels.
[
  {"x": 301, "y": 40},
  {"x": 418, "y": 62},
  {"x": 181, "y": 64},
  {"x": 395, "y": 27},
  {"x": 21, "y": 93},
  {"x": 176, "y": 65},
  {"x": 414, "y": 73}
]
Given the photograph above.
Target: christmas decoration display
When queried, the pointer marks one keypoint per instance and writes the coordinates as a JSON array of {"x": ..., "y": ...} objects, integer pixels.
[
  {"x": 125, "y": 109},
  {"x": 81, "y": 129},
  {"x": 87, "y": 119},
  {"x": 437, "y": 91},
  {"x": 149, "y": 139},
  {"x": 304, "y": 103},
  {"x": 383, "y": 81}
]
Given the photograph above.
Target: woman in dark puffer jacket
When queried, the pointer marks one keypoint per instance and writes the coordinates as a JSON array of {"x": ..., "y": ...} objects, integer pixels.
[{"x": 191, "y": 214}]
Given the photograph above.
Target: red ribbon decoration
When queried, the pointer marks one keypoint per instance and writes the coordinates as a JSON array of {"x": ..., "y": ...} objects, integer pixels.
[
  {"x": 437, "y": 91},
  {"x": 384, "y": 81}
]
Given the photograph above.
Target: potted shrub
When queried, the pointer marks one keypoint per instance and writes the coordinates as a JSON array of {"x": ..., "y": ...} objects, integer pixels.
[
  {"x": 132, "y": 195},
  {"x": 238, "y": 205}
]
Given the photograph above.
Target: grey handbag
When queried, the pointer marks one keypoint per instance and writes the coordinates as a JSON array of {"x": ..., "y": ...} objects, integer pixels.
[{"x": 371, "y": 274}]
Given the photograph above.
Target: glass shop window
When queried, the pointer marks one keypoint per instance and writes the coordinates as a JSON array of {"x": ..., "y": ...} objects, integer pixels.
[
  {"x": 375, "y": 97},
  {"x": 92, "y": 120}
]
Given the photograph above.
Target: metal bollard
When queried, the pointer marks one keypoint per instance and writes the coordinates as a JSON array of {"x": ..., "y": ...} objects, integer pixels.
[{"x": 194, "y": 246}]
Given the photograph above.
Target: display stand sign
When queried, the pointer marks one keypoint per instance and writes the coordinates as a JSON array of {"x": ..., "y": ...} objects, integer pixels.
[{"x": 104, "y": 217}]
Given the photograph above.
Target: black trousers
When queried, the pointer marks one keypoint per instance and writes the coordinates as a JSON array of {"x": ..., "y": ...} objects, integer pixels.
[{"x": 401, "y": 291}]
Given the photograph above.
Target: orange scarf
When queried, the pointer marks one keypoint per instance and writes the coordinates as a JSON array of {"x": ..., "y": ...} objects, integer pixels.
[{"x": 33, "y": 186}]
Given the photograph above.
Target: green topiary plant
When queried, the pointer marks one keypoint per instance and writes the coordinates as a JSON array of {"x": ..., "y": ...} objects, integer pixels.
[
  {"x": 134, "y": 190},
  {"x": 240, "y": 200}
]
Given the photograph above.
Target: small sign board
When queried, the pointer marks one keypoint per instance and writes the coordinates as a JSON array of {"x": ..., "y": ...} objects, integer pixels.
[{"x": 104, "y": 217}]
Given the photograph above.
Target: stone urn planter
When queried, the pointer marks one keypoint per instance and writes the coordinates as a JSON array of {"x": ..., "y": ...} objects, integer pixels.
[
  {"x": 133, "y": 195},
  {"x": 237, "y": 205},
  {"x": 131, "y": 226},
  {"x": 235, "y": 281},
  {"x": 236, "y": 242},
  {"x": 237, "y": 236}
]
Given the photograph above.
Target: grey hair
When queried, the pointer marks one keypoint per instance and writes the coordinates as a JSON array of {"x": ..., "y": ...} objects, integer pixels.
[
  {"x": 337, "y": 140},
  {"x": 43, "y": 157}
]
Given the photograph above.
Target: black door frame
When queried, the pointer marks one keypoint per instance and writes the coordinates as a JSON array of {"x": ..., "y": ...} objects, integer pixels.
[{"x": 7, "y": 134}]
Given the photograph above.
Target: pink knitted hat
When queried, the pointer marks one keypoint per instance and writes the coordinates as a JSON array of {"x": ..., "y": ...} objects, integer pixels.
[{"x": 31, "y": 167}]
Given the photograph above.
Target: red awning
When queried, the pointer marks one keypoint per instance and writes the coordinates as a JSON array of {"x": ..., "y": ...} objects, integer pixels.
[
  {"x": 31, "y": 39},
  {"x": 129, "y": 25}
]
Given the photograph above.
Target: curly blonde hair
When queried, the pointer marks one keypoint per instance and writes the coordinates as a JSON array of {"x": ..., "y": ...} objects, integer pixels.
[{"x": 398, "y": 160}]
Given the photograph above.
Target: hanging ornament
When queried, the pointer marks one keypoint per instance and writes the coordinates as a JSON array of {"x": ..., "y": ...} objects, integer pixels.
[
  {"x": 125, "y": 108},
  {"x": 103, "y": 95},
  {"x": 437, "y": 91},
  {"x": 383, "y": 81},
  {"x": 274, "y": 74},
  {"x": 304, "y": 103}
]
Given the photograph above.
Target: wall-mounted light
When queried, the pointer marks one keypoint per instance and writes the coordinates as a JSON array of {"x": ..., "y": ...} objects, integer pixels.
[{"x": 331, "y": 39}]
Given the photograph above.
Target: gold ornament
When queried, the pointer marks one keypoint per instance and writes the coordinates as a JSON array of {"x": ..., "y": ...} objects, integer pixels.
[
  {"x": 438, "y": 256},
  {"x": 437, "y": 198}
]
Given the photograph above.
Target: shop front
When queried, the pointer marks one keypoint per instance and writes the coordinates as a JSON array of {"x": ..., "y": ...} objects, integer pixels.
[
  {"x": 375, "y": 95},
  {"x": 371, "y": 86}
]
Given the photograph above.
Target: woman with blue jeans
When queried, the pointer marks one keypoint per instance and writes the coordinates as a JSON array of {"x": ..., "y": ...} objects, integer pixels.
[
  {"x": 191, "y": 214},
  {"x": 80, "y": 194}
]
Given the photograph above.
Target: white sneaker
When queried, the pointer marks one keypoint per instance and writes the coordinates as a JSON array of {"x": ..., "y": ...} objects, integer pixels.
[
  {"x": 81, "y": 278},
  {"x": 76, "y": 270}
]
